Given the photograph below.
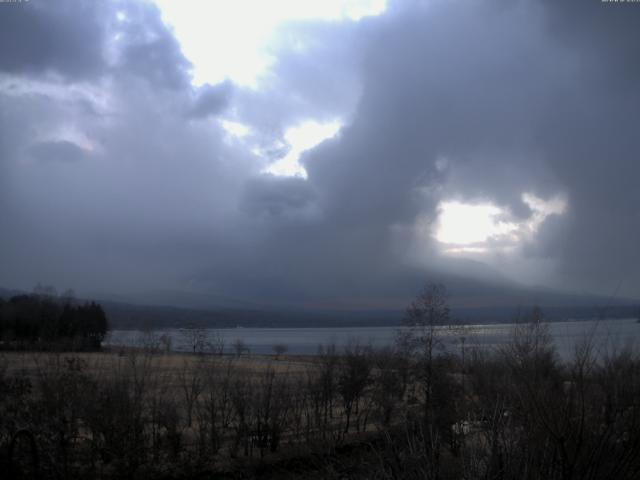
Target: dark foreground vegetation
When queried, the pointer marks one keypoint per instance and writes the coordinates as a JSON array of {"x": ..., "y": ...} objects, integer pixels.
[{"x": 407, "y": 412}]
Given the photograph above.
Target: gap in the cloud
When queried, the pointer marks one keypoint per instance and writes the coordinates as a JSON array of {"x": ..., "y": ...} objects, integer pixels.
[
  {"x": 301, "y": 138},
  {"x": 235, "y": 129},
  {"x": 477, "y": 228},
  {"x": 229, "y": 40}
]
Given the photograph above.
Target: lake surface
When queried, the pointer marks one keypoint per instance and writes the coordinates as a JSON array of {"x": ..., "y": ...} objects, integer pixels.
[{"x": 605, "y": 334}]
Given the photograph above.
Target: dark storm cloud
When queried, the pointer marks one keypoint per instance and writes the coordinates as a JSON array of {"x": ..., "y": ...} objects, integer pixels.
[
  {"x": 514, "y": 103},
  {"x": 606, "y": 36},
  {"x": 211, "y": 99},
  {"x": 468, "y": 101},
  {"x": 589, "y": 138},
  {"x": 157, "y": 190},
  {"x": 275, "y": 196},
  {"x": 316, "y": 75},
  {"x": 149, "y": 49},
  {"x": 37, "y": 37},
  {"x": 59, "y": 151},
  {"x": 82, "y": 40},
  {"x": 381, "y": 173}
]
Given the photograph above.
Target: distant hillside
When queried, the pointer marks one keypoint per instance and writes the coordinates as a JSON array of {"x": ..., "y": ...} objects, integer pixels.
[
  {"x": 556, "y": 307},
  {"x": 127, "y": 316},
  {"x": 123, "y": 316}
]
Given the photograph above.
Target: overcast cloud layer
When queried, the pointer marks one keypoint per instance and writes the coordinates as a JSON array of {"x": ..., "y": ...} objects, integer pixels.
[{"x": 116, "y": 175}]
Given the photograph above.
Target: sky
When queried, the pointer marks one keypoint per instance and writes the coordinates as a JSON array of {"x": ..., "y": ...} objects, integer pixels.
[{"x": 319, "y": 154}]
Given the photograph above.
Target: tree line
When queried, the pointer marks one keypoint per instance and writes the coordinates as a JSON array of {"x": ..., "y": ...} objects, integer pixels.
[{"x": 45, "y": 320}]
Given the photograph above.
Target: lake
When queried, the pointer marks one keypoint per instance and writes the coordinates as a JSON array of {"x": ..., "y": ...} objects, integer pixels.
[{"x": 606, "y": 335}]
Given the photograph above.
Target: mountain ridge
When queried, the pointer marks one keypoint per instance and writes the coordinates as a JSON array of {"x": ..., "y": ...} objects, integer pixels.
[{"x": 556, "y": 306}]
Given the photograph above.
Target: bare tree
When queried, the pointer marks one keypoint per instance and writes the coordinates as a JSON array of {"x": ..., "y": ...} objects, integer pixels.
[
  {"x": 217, "y": 343},
  {"x": 355, "y": 375},
  {"x": 280, "y": 349},
  {"x": 191, "y": 383},
  {"x": 389, "y": 383},
  {"x": 240, "y": 347},
  {"x": 195, "y": 338},
  {"x": 321, "y": 389},
  {"x": 165, "y": 342},
  {"x": 149, "y": 341},
  {"x": 424, "y": 316},
  {"x": 216, "y": 413}
]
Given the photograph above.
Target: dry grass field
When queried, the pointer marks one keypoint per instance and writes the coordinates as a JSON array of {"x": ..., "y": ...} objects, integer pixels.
[
  {"x": 118, "y": 360},
  {"x": 358, "y": 413}
]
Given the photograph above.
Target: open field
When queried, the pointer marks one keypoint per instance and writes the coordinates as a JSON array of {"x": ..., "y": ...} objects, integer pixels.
[{"x": 100, "y": 363}]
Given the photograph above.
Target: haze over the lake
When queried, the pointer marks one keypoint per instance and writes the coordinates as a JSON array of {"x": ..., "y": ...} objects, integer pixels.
[{"x": 319, "y": 153}]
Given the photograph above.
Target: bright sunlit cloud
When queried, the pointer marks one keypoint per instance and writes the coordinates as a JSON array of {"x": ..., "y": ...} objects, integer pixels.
[
  {"x": 301, "y": 138},
  {"x": 464, "y": 224},
  {"x": 229, "y": 39},
  {"x": 235, "y": 129},
  {"x": 480, "y": 228},
  {"x": 543, "y": 208}
]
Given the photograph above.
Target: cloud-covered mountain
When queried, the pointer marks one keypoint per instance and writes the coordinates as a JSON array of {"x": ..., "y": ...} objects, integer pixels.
[{"x": 117, "y": 174}]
